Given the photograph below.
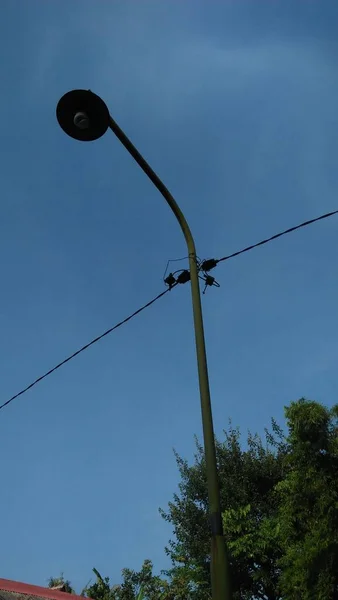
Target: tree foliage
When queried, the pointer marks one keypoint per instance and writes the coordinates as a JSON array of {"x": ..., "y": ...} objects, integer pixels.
[
  {"x": 280, "y": 515},
  {"x": 280, "y": 503},
  {"x": 142, "y": 585},
  {"x": 308, "y": 504}
]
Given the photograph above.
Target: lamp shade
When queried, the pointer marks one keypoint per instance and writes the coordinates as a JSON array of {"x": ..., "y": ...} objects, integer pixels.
[{"x": 82, "y": 115}]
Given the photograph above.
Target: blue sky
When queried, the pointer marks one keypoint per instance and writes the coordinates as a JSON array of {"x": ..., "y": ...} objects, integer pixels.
[{"x": 235, "y": 105}]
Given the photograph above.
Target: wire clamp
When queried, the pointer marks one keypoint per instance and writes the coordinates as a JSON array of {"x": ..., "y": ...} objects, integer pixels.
[
  {"x": 183, "y": 277},
  {"x": 207, "y": 265},
  {"x": 170, "y": 281},
  {"x": 209, "y": 282}
]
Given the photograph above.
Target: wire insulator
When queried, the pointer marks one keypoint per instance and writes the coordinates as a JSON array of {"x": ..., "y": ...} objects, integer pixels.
[
  {"x": 170, "y": 280},
  {"x": 209, "y": 264},
  {"x": 183, "y": 277},
  {"x": 209, "y": 282}
]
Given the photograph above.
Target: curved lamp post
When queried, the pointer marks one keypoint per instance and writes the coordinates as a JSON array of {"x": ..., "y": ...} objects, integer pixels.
[{"x": 85, "y": 117}]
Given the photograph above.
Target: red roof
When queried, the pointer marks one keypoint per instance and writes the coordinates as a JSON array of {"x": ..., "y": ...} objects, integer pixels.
[{"x": 6, "y": 585}]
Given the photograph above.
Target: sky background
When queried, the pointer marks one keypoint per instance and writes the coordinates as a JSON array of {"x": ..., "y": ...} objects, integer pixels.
[{"x": 235, "y": 106}]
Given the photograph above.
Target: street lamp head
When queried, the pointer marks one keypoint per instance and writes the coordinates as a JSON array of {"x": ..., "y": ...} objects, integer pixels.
[{"x": 82, "y": 115}]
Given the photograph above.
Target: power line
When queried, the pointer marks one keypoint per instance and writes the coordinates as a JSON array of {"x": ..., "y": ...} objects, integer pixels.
[
  {"x": 173, "y": 260},
  {"x": 278, "y": 235},
  {"x": 205, "y": 266},
  {"x": 85, "y": 347},
  {"x": 177, "y": 260},
  {"x": 209, "y": 264}
]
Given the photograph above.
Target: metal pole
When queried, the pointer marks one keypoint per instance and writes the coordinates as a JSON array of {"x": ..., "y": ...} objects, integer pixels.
[{"x": 220, "y": 573}]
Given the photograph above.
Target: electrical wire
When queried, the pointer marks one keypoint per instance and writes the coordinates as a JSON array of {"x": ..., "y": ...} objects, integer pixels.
[
  {"x": 85, "y": 347},
  {"x": 212, "y": 264},
  {"x": 277, "y": 235},
  {"x": 177, "y": 260},
  {"x": 173, "y": 260}
]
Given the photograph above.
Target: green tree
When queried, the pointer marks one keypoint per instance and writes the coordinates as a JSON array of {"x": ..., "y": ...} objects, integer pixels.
[
  {"x": 142, "y": 585},
  {"x": 308, "y": 504},
  {"x": 280, "y": 516},
  {"x": 100, "y": 589},
  {"x": 280, "y": 511},
  {"x": 247, "y": 480}
]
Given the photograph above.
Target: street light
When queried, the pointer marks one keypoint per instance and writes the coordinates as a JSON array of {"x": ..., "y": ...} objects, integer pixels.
[{"x": 85, "y": 117}]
